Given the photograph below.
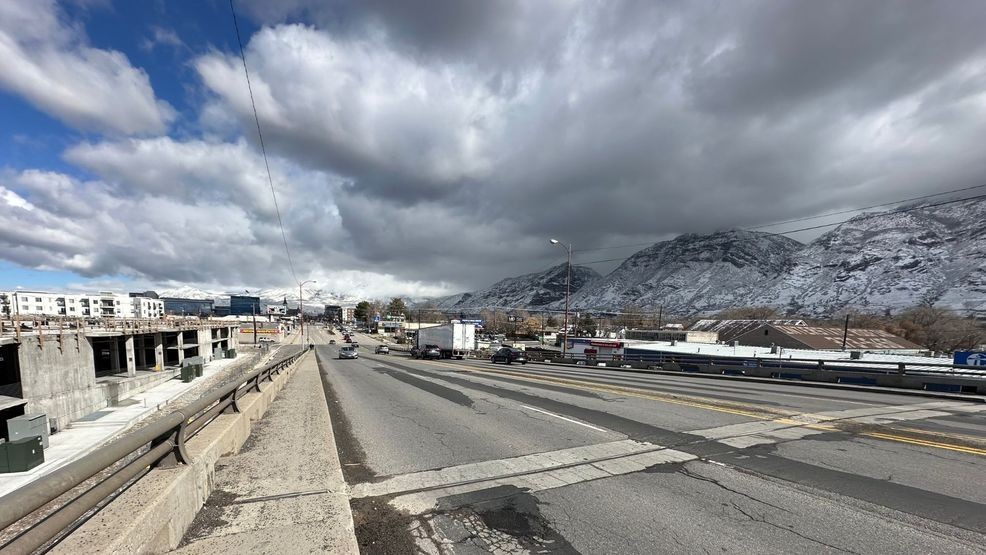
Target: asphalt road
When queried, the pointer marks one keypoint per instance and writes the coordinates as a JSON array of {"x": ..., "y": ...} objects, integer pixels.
[{"x": 470, "y": 457}]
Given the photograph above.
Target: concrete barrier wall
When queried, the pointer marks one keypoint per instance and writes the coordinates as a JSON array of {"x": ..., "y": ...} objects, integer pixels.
[
  {"x": 799, "y": 375},
  {"x": 153, "y": 515}
]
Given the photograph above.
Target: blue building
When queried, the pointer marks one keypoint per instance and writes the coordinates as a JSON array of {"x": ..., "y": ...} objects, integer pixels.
[
  {"x": 243, "y": 305},
  {"x": 187, "y": 307}
]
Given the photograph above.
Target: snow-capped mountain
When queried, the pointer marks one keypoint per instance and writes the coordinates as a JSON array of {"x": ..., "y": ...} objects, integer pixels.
[
  {"x": 694, "y": 273},
  {"x": 530, "y": 290},
  {"x": 314, "y": 298},
  {"x": 878, "y": 262},
  {"x": 893, "y": 261}
]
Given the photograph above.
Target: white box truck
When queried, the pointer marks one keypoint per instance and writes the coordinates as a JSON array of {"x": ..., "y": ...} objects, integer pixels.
[{"x": 453, "y": 340}]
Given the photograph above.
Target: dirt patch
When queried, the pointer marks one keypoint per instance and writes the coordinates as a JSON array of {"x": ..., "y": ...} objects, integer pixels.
[
  {"x": 381, "y": 529},
  {"x": 209, "y": 517}
]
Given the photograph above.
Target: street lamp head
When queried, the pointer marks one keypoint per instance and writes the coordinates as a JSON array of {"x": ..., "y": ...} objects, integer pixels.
[{"x": 553, "y": 241}]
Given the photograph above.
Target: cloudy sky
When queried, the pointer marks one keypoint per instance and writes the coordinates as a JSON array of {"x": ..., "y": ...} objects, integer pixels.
[{"x": 424, "y": 148}]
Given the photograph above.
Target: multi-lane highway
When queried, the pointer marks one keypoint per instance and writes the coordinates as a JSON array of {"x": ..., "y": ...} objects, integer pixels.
[{"x": 467, "y": 457}]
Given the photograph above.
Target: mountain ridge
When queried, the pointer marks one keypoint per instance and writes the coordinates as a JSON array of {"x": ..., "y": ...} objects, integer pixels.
[{"x": 874, "y": 261}]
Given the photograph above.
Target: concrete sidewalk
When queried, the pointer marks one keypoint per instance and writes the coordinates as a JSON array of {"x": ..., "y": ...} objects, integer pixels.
[
  {"x": 86, "y": 434},
  {"x": 284, "y": 491}
]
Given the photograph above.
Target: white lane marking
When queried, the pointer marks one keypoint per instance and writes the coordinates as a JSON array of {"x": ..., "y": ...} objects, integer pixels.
[
  {"x": 548, "y": 478},
  {"x": 565, "y": 419},
  {"x": 499, "y": 468}
]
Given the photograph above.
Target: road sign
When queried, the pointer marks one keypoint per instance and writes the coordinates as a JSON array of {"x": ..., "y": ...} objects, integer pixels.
[
  {"x": 376, "y": 318},
  {"x": 970, "y": 358}
]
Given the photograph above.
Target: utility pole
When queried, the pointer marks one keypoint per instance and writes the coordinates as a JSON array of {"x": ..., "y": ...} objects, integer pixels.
[
  {"x": 568, "y": 293},
  {"x": 254, "y": 323},
  {"x": 660, "y": 316},
  {"x": 845, "y": 333},
  {"x": 301, "y": 307}
]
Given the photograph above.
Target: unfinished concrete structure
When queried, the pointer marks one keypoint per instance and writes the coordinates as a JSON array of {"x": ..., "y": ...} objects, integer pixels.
[{"x": 75, "y": 370}]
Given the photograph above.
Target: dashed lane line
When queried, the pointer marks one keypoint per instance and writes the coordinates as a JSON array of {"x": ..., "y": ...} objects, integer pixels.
[{"x": 565, "y": 418}]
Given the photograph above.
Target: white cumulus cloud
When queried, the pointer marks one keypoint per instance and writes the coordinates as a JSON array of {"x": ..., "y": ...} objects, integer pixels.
[{"x": 47, "y": 61}]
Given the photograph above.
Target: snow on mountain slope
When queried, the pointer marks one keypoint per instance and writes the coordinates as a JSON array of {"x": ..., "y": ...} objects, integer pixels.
[
  {"x": 894, "y": 261},
  {"x": 890, "y": 261},
  {"x": 694, "y": 273},
  {"x": 530, "y": 290}
]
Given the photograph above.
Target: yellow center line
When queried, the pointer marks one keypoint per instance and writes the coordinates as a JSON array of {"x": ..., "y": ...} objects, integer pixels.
[
  {"x": 701, "y": 403},
  {"x": 697, "y": 402},
  {"x": 926, "y": 443}
]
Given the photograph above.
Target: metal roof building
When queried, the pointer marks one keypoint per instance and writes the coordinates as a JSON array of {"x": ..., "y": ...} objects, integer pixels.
[
  {"x": 827, "y": 338},
  {"x": 731, "y": 329}
]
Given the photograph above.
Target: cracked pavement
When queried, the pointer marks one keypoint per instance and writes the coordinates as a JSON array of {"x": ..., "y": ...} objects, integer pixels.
[{"x": 829, "y": 491}]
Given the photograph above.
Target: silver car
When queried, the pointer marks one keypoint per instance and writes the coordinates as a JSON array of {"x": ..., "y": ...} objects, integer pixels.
[{"x": 348, "y": 352}]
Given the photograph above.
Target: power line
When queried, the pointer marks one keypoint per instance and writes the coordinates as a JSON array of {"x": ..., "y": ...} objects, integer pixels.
[
  {"x": 882, "y": 214},
  {"x": 821, "y": 226},
  {"x": 838, "y": 213},
  {"x": 263, "y": 148}
]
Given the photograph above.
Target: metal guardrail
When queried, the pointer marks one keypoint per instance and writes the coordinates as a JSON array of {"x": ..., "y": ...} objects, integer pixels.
[
  {"x": 841, "y": 365},
  {"x": 164, "y": 441}
]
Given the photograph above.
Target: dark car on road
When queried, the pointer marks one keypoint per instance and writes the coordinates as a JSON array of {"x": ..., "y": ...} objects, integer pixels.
[
  {"x": 508, "y": 355},
  {"x": 429, "y": 351},
  {"x": 414, "y": 352}
]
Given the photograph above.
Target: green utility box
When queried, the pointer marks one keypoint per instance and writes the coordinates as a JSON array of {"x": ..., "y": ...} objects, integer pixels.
[
  {"x": 21, "y": 455},
  {"x": 199, "y": 369},
  {"x": 231, "y": 353},
  {"x": 187, "y": 373}
]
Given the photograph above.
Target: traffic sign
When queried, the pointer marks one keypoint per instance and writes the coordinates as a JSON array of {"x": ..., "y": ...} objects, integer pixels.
[{"x": 970, "y": 358}]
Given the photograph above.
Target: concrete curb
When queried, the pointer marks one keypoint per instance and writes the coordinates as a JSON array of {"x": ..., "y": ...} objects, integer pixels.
[
  {"x": 153, "y": 514},
  {"x": 802, "y": 383}
]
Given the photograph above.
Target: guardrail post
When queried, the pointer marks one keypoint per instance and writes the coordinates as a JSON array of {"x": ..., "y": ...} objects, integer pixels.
[
  {"x": 900, "y": 368},
  {"x": 256, "y": 383},
  {"x": 177, "y": 455},
  {"x": 233, "y": 405}
]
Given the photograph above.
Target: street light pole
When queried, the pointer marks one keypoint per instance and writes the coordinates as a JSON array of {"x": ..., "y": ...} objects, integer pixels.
[
  {"x": 301, "y": 306},
  {"x": 568, "y": 292}
]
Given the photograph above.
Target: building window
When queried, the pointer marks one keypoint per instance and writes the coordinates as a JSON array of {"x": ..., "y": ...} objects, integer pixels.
[
  {"x": 37, "y": 299},
  {"x": 38, "y": 308},
  {"x": 71, "y": 309}
]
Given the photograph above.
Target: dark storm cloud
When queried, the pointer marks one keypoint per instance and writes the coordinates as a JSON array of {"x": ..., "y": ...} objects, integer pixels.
[{"x": 471, "y": 131}]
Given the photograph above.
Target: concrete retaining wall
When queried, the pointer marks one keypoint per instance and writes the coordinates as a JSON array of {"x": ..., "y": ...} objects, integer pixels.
[{"x": 153, "y": 515}]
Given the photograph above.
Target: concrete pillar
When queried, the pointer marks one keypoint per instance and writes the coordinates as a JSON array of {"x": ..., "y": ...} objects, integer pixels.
[
  {"x": 141, "y": 347},
  {"x": 115, "y": 354},
  {"x": 181, "y": 348},
  {"x": 159, "y": 351},
  {"x": 131, "y": 356},
  {"x": 205, "y": 344}
]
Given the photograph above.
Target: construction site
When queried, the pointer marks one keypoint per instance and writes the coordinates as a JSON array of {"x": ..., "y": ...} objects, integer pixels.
[{"x": 69, "y": 368}]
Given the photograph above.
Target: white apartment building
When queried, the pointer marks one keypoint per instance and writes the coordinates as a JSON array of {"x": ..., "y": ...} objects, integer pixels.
[
  {"x": 105, "y": 304},
  {"x": 348, "y": 313},
  {"x": 146, "y": 307}
]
